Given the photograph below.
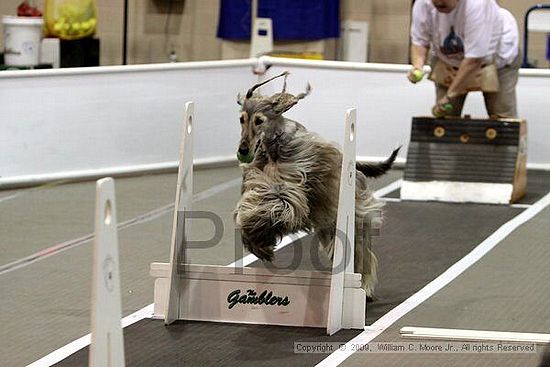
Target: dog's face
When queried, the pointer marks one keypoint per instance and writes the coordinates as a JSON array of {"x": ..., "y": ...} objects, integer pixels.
[
  {"x": 258, "y": 113},
  {"x": 253, "y": 120}
]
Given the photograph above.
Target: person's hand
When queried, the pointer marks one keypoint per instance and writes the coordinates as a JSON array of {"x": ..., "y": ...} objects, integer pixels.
[
  {"x": 415, "y": 75},
  {"x": 443, "y": 101},
  {"x": 443, "y": 107}
]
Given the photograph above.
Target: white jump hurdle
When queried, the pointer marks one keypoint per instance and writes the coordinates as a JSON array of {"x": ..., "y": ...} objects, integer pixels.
[
  {"x": 334, "y": 300},
  {"x": 107, "y": 345}
]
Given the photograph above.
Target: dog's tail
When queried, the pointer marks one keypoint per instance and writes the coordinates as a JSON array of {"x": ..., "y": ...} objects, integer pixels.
[{"x": 378, "y": 169}]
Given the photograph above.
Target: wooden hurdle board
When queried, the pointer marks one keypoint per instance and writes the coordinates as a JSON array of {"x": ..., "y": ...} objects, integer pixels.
[
  {"x": 257, "y": 295},
  {"x": 466, "y": 160},
  {"x": 332, "y": 300}
]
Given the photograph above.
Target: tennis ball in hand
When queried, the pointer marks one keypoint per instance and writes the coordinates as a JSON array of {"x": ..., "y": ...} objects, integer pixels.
[
  {"x": 417, "y": 75},
  {"x": 447, "y": 107},
  {"x": 441, "y": 111}
]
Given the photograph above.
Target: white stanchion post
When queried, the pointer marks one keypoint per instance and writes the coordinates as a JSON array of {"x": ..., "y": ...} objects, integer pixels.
[
  {"x": 343, "y": 259},
  {"x": 262, "y": 37},
  {"x": 180, "y": 229},
  {"x": 107, "y": 344}
]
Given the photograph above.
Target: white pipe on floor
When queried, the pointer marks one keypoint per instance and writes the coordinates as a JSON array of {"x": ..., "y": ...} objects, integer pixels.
[{"x": 462, "y": 334}]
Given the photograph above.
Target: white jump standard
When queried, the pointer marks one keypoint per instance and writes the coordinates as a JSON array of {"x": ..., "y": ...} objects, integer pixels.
[
  {"x": 334, "y": 300},
  {"x": 107, "y": 345}
]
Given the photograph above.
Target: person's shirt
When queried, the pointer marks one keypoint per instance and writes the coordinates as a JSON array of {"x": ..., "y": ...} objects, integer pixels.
[
  {"x": 508, "y": 48},
  {"x": 473, "y": 30}
]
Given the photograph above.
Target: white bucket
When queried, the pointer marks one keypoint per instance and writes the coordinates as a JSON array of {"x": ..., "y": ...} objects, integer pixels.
[{"x": 22, "y": 37}]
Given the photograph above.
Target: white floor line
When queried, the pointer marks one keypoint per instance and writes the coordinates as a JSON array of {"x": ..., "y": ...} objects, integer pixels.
[
  {"x": 147, "y": 311},
  {"x": 520, "y": 206},
  {"x": 390, "y": 200},
  {"x": 12, "y": 196},
  {"x": 434, "y": 286},
  {"x": 30, "y": 190},
  {"x": 60, "y": 354},
  {"x": 387, "y": 189}
]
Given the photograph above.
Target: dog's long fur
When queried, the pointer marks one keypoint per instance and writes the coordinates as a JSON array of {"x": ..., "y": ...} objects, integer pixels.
[{"x": 292, "y": 183}]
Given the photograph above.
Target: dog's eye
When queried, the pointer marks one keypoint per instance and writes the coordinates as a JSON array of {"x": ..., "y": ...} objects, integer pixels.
[
  {"x": 242, "y": 119},
  {"x": 258, "y": 121}
]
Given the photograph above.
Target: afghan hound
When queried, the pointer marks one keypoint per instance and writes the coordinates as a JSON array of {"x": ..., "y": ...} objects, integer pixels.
[{"x": 291, "y": 180}]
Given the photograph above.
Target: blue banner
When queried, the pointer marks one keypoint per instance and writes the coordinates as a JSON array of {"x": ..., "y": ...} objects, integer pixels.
[{"x": 292, "y": 19}]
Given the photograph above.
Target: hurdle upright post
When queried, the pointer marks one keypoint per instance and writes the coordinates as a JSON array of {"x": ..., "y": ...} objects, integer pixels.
[
  {"x": 107, "y": 344},
  {"x": 180, "y": 229},
  {"x": 343, "y": 259}
]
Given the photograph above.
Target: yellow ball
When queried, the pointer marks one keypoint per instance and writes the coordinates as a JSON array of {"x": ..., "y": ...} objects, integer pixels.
[{"x": 418, "y": 75}]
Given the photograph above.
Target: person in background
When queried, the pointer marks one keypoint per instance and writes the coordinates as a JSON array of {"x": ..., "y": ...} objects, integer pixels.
[{"x": 475, "y": 47}]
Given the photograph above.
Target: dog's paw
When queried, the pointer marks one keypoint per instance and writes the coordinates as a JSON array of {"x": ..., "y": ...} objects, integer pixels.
[
  {"x": 372, "y": 298},
  {"x": 327, "y": 251},
  {"x": 368, "y": 286},
  {"x": 266, "y": 256}
]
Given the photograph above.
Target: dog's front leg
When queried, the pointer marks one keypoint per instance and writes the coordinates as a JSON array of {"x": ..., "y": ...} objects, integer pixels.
[
  {"x": 365, "y": 261},
  {"x": 326, "y": 240}
]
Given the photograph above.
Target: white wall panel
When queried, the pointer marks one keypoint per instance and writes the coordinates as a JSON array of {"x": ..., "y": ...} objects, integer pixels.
[
  {"x": 78, "y": 122},
  {"x": 386, "y": 103}
]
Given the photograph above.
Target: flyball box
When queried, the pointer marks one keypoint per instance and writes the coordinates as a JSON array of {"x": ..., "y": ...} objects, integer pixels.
[{"x": 466, "y": 160}]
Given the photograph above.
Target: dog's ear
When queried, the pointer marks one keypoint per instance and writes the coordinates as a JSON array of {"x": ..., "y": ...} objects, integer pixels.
[
  {"x": 239, "y": 99},
  {"x": 256, "y": 86},
  {"x": 282, "y": 102}
]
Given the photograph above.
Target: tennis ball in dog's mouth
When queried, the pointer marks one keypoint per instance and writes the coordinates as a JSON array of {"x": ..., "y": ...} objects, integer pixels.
[
  {"x": 245, "y": 158},
  {"x": 417, "y": 75}
]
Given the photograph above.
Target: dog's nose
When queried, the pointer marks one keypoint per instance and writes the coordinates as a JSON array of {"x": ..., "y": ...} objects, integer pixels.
[{"x": 243, "y": 151}]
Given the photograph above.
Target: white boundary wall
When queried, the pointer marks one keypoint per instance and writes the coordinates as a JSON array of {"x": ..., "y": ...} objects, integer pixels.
[
  {"x": 386, "y": 100},
  {"x": 89, "y": 122}
]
